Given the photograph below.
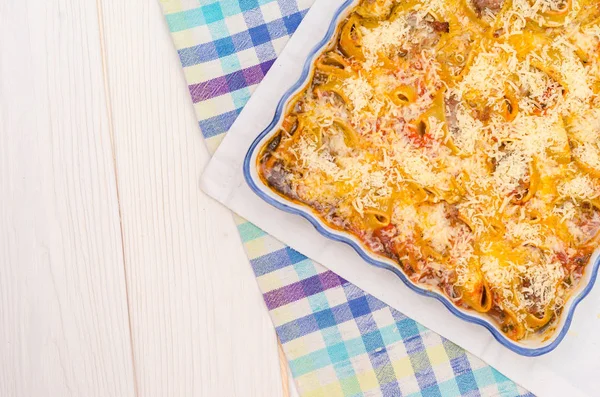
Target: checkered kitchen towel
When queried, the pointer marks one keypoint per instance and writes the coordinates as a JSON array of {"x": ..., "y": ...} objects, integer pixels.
[{"x": 339, "y": 340}]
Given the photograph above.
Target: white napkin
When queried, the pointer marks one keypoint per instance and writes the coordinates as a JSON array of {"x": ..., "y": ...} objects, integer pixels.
[{"x": 573, "y": 369}]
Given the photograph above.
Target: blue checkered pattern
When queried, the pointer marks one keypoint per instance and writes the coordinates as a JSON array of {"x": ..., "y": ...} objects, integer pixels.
[
  {"x": 339, "y": 340},
  {"x": 239, "y": 32}
]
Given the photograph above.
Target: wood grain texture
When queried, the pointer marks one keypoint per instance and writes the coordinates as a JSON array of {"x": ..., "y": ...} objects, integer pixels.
[
  {"x": 199, "y": 325},
  {"x": 97, "y": 131},
  {"x": 63, "y": 311}
]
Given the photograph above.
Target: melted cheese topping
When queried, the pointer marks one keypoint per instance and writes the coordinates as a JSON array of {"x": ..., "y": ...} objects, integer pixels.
[{"x": 461, "y": 140}]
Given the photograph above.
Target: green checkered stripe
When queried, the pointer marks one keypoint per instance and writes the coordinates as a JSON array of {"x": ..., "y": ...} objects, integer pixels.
[{"x": 339, "y": 340}]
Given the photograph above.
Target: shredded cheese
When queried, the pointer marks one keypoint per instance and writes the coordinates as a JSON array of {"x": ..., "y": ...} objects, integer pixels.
[
  {"x": 579, "y": 188},
  {"x": 479, "y": 167},
  {"x": 359, "y": 91}
]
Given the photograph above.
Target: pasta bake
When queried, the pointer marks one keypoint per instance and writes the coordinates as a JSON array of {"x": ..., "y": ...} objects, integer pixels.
[{"x": 461, "y": 140}]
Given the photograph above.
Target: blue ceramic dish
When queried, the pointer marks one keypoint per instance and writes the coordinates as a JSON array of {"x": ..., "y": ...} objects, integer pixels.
[{"x": 531, "y": 347}]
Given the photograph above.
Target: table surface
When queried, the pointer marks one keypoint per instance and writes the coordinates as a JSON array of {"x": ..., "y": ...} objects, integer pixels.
[{"x": 118, "y": 277}]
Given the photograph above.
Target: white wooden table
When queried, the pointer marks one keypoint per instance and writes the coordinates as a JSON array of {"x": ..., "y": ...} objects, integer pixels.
[{"x": 118, "y": 277}]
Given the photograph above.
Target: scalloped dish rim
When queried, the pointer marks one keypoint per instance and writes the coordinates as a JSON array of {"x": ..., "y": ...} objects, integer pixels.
[{"x": 531, "y": 347}]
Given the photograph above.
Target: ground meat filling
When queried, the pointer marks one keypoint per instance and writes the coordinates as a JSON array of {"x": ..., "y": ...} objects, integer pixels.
[
  {"x": 277, "y": 177},
  {"x": 442, "y": 27},
  {"x": 451, "y": 110},
  {"x": 482, "y": 7},
  {"x": 426, "y": 33}
]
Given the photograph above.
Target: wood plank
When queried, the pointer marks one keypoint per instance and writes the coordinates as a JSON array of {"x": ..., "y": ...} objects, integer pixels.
[
  {"x": 63, "y": 308},
  {"x": 199, "y": 324}
]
